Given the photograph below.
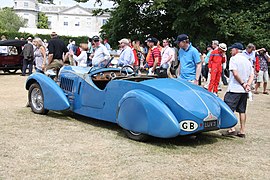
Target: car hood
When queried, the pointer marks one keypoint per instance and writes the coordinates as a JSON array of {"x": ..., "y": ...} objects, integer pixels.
[{"x": 193, "y": 100}]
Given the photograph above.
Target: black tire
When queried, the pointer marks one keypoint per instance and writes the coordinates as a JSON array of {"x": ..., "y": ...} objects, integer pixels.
[
  {"x": 36, "y": 99},
  {"x": 136, "y": 136}
]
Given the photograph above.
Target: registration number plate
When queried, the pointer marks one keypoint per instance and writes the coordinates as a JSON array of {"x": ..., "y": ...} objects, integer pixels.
[{"x": 210, "y": 124}]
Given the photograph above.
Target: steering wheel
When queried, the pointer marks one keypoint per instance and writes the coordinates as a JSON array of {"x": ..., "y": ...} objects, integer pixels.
[{"x": 127, "y": 70}]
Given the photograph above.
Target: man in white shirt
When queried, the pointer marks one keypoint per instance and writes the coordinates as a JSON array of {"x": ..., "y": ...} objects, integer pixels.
[
  {"x": 101, "y": 54},
  {"x": 127, "y": 55},
  {"x": 241, "y": 77}
]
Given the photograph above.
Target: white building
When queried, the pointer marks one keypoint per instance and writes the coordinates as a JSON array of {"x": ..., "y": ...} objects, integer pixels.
[{"x": 64, "y": 20}]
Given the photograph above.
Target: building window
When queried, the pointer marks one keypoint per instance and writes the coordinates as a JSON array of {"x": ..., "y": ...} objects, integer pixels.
[
  {"x": 26, "y": 20},
  {"x": 25, "y": 4},
  {"x": 49, "y": 24},
  {"x": 88, "y": 21},
  {"x": 15, "y": 4},
  {"x": 77, "y": 21},
  {"x": 65, "y": 23},
  {"x": 104, "y": 21}
]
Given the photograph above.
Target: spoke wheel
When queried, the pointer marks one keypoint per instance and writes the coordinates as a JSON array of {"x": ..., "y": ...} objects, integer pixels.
[
  {"x": 36, "y": 99},
  {"x": 136, "y": 136}
]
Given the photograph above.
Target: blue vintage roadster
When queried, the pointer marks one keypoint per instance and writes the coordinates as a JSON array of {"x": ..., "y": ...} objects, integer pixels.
[{"x": 142, "y": 105}]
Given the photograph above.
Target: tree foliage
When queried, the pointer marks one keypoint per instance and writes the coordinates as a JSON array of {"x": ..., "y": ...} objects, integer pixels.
[
  {"x": 10, "y": 21},
  {"x": 42, "y": 21},
  {"x": 228, "y": 21}
]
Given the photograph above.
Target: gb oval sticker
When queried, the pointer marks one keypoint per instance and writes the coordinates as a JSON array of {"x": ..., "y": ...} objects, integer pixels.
[{"x": 188, "y": 125}]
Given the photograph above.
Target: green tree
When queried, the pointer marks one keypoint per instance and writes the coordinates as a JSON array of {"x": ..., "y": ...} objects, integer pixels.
[
  {"x": 10, "y": 21},
  {"x": 42, "y": 21},
  {"x": 228, "y": 21}
]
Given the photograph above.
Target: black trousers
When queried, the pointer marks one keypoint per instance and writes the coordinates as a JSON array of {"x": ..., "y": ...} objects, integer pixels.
[
  {"x": 223, "y": 78},
  {"x": 25, "y": 64}
]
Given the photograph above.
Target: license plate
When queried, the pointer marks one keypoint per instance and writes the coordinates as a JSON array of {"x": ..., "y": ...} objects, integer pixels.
[{"x": 210, "y": 124}]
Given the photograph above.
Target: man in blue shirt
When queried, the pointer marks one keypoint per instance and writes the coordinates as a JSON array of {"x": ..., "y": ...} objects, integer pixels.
[{"x": 189, "y": 57}]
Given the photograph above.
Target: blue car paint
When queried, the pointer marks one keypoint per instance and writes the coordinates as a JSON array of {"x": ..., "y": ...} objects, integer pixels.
[
  {"x": 228, "y": 117},
  {"x": 54, "y": 97},
  {"x": 155, "y": 107},
  {"x": 140, "y": 111}
]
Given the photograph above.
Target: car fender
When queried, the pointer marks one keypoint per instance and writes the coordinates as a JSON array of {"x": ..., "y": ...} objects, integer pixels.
[
  {"x": 140, "y": 111},
  {"x": 228, "y": 117},
  {"x": 54, "y": 97}
]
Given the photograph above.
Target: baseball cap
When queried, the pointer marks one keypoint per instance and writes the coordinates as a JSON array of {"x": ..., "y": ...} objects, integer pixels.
[
  {"x": 222, "y": 46},
  {"x": 151, "y": 39},
  {"x": 124, "y": 40},
  {"x": 237, "y": 46},
  {"x": 95, "y": 38},
  {"x": 181, "y": 37}
]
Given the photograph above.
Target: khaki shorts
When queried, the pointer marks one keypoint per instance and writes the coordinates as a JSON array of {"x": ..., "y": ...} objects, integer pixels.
[
  {"x": 55, "y": 64},
  {"x": 262, "y": 76}
]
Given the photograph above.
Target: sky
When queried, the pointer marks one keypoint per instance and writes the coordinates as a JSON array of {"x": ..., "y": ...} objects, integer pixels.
[{"x": 89, "y": 4}]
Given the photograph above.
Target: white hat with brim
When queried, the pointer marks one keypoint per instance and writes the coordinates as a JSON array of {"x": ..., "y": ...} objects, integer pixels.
[
  {"x": 125, "y": 41},
  {"x": 222, "y": 46}
]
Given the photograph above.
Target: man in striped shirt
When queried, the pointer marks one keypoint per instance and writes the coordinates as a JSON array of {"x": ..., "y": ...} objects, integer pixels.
[{"x": 154, "y": 58}]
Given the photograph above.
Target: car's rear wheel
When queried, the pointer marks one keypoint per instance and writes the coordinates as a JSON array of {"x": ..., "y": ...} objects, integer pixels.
[
  {"x": 36, "y": 99},
  {"x": 136, "y": 136}
]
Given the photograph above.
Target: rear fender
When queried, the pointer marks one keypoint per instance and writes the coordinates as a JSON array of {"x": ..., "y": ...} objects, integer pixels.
[
  {"x": 54, "y": 97},
  {"x": 140, "y": 111},
  {"x": 228, "y": 118}
]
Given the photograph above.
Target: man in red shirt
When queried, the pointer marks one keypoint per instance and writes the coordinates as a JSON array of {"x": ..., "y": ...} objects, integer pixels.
[
  {"x": 153, "y": 59},
  {"x": 217, "y": 58}
]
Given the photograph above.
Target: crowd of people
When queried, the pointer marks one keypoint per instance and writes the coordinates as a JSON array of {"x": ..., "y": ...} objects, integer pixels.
[{"x": 152, "y": 57}]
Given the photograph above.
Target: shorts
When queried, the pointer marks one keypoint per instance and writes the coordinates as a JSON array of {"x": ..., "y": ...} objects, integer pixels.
[
  {"x": 236, "y": 101},
  {"x": 55, "y": 64},
  {"x": 262, "y": 76}
]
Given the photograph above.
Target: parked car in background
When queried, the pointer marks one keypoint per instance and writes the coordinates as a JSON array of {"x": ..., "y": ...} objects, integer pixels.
[
  {"x": 142, "y": 105},
  {"x": 13, "y": 60}
]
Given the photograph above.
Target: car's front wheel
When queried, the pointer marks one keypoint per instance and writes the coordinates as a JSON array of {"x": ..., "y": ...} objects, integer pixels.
[
  {"x": 136, "y": 136},
  {"x": 36, "y": 99}
]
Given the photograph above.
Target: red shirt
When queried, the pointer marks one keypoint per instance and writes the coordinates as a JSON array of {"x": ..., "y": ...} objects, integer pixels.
[
  {"x": 216, "y": 59},
  {"x": 136, "y": 62},
  {"x": 257, "y": 64},
  {"x": 155, "y": 53}
]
